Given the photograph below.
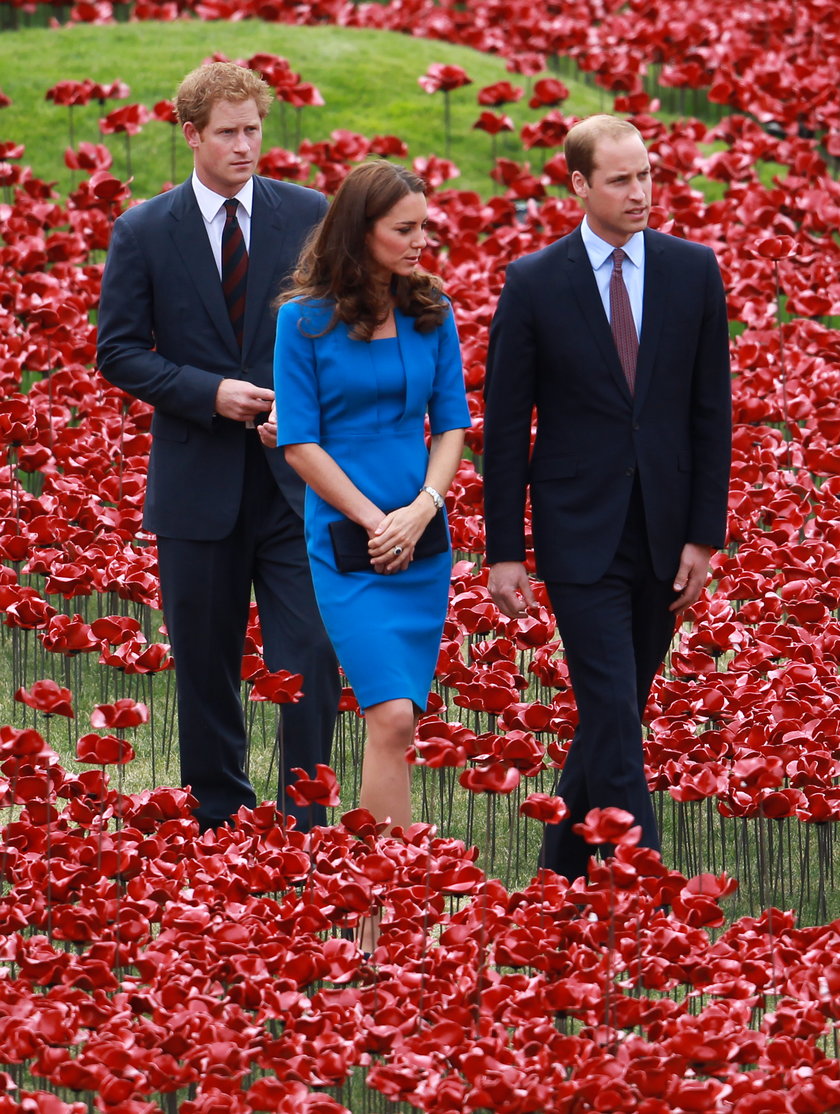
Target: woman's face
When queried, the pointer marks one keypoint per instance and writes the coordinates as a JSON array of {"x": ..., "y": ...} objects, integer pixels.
[{"x": 397, "y": 239}]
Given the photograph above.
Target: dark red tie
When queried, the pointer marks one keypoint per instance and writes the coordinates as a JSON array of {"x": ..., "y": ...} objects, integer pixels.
[
  {"x": 621, "y": 321},
  {"x": 234, "y": 268}
]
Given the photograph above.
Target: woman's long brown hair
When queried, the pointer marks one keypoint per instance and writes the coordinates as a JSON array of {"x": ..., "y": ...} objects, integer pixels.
[{"x": 335, "y": 264}]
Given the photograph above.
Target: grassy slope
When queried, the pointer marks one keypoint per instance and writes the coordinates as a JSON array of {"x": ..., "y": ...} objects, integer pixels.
[{"x": 367, "y": 78}]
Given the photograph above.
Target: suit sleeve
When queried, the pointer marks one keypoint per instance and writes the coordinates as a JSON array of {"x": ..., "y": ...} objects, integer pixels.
[
  {"x": 711, "y": 417},
  {"x": 126, "y": 336},
  {"x": 509, "y": 402},
  {"x": 448, "y": 404}
]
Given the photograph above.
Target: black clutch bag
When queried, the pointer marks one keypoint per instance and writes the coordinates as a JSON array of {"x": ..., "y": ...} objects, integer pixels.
[{"x": 350, "y": 543}]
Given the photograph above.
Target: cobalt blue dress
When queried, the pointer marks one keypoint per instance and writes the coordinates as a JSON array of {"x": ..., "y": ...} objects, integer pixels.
[{"x": 365, "y": 403}]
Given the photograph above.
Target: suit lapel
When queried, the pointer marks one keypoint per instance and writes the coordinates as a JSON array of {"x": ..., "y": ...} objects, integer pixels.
[
  {"x": 190, "y": 238},
  {"x": 582, "y": 281},
  {"x": 266, "y": 235},
  {"x": 653, "y": 314}
]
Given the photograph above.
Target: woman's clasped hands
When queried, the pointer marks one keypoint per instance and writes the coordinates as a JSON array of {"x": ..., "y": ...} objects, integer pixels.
[{"x": 392, "y": 543}]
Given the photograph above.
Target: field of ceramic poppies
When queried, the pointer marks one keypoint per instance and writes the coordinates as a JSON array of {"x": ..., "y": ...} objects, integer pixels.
[{"x": 146, "y": 971}]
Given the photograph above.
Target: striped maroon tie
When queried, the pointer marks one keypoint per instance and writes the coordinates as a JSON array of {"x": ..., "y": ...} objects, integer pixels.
[
  {"x": 621, "y": 321},
  {"x": 234, "y": 268}
]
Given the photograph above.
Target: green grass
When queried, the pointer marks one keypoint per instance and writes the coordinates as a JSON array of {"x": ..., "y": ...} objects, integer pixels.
[{"x": 367, "y": 78}]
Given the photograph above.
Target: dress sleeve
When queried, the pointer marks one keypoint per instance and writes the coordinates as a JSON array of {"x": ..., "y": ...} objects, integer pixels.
[
  {"x": 448, "y": 405},
  {"x": 295, "y": 381}
]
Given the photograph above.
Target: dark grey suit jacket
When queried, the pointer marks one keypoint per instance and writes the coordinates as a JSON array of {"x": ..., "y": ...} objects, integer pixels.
[
  {"x": 551, "y": 348},
  {"x": 165, "y": 337}
]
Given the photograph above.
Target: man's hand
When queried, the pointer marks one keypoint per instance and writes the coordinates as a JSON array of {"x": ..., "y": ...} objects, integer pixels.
[
  {"x": 691, "y": 575},
  {"x": 242, "y": 401},
  {"x": 510, "y": 588},
  {"x": 267, "y": 430}
]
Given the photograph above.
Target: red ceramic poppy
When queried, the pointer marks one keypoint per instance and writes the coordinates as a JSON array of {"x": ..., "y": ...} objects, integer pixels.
[
  {"x": 129, "y": 119},
  {"x": 445, "y": 78},
  {"x": 547, "y": 93},
  {"x": 609, "y": 825},
  {"x": 88, "y": 156},
  {"x": 71, "y": 92},
  {"x": 125, "y": 712},
  {"x": 490, "y": 779},
  {"x": 494, "y": 123},
  {"x": 389, "y": 146},
  {"x": 47, "y": 697},
  {"x": 299, "y": 94},
  {"x": 281, "y": 687},
  {"x": 776, "y": 247},
  {"x": 544, "y": 807},
  {"x": 104, "y": 750},
  {"x": 165, "y": 111},
  {"x": 323, "y": 789},
  {"x": 501, "y": 92}
]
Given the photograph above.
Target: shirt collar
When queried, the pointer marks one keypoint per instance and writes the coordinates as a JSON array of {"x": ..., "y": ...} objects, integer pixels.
[
  {"x": 599, "y": 251},
  {"x": 210, "y": 202}
]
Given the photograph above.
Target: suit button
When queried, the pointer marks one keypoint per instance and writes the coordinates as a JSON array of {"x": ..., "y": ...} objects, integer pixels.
[
  {"x": 631, "y": 471},
  {"x": 637, "y": 426}
]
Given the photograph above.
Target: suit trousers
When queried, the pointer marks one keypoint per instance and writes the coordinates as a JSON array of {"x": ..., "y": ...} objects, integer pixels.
[
  {"x": 206, "y": 588},
  {"x": 615, "y": 634}
]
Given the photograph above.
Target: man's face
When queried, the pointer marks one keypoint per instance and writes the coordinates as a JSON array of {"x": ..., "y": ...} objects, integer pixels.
[
  {"x": 226, "y": 151},
  {"x": 617, "y": 195}
]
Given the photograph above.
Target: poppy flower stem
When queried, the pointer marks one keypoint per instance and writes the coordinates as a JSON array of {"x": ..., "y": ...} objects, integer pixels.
[
  {"x": 447, "y": 123},
  {"x": 782, "y": 362},
  {"x": 121, "y": 456},
  {"x": 825, "y": 867},
  {"x": 284, "y": 125}
]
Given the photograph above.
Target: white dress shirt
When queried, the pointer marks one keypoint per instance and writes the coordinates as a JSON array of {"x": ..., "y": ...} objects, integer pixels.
[
  {"x": 212, "y": 206},
  {"x": 632, "y": 269}
]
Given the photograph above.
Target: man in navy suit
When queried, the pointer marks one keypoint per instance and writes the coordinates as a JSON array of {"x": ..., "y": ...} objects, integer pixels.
[
  {"x": 629, "y": 470},
  {"x": 227, "y": 512}
]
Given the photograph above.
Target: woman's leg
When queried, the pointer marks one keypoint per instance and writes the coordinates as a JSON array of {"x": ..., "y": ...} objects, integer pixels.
[
  {"x": 386, "y": 780},
  {"x": 386, "y": 787}
]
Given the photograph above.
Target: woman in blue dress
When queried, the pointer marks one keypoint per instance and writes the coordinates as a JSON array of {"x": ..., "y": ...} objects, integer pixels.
[{"x": 366, "y": 349}]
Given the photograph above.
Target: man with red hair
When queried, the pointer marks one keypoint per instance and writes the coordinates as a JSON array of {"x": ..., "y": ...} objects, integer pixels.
[{"x": 185, "y": 324}]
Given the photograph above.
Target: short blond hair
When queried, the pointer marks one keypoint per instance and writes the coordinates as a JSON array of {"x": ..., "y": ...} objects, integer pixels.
[
  {"x": 582, "y": 140},
  {"x": 219, "y": 81}
]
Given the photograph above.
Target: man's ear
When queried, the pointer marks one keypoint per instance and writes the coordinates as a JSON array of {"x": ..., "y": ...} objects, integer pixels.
[
  {"x": 191, "y": 134},
  {"x": 579, "y": 184}
]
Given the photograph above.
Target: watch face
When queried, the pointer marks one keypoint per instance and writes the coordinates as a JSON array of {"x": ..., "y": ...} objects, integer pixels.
[{"x": 436, "y": 498}]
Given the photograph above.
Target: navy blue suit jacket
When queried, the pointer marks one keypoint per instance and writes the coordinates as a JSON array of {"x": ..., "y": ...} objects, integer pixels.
[
  {"x": 165, "y": 337},
  {"x": 551, "y": 348}
]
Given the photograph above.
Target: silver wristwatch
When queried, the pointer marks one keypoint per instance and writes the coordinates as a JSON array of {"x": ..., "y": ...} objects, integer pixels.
[{"x": 436, "y": 496}]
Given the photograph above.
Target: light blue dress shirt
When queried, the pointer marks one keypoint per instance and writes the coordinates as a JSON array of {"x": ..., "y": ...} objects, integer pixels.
[{"x": 632, "y": 270}]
